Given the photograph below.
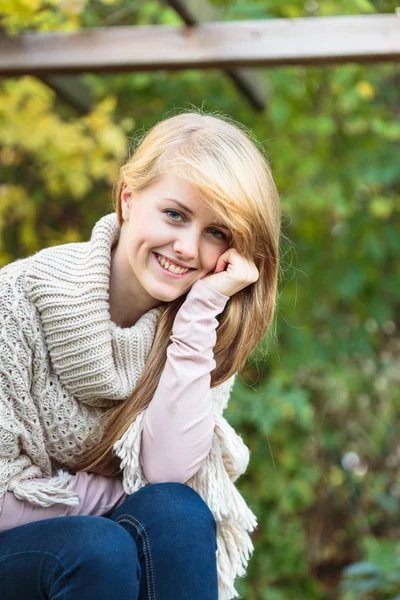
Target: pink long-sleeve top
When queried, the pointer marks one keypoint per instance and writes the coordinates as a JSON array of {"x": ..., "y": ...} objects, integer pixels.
[{"x": 178, "y": 425}]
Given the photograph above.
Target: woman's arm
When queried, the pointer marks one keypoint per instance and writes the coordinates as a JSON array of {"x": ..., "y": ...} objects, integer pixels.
[
  {"x": 98, "y": 496},
  {"x": 178, "y": 425}
]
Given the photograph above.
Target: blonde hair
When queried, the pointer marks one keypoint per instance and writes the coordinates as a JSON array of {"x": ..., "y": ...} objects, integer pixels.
[{"x": 232, "y": 176}]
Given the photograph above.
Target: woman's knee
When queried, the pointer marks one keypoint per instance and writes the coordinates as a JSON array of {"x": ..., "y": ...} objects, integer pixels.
[
  {"x": 101, "y": 543},
  {"x": 182, "y": 501},
  {"x": 173, "y": 504}
]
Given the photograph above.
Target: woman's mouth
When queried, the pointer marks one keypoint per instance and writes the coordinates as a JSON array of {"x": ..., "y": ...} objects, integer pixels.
[{"x": 170, "y": 269}]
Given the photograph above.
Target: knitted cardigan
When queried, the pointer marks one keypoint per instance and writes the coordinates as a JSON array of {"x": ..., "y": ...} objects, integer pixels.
[{"x": 63, "y": 363}]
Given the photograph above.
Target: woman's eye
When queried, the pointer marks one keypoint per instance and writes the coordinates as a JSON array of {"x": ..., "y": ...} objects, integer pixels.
[
  {"x": 217, "y": 234},
  {"x": 221, "y": 235},
  {"x": 174, "y": 212}
]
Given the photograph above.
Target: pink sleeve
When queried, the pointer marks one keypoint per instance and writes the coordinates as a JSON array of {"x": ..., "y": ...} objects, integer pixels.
[
  {"x": 98, "y": 496},
  {"x": 179, "y": 424}
]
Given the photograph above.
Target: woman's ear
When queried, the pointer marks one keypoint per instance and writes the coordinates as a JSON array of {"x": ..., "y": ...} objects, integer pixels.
[{"x": 126, "y": 202}]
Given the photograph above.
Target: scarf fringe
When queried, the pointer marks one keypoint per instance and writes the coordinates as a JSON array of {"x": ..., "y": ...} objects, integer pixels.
[
  {"x": 58, "y": 490},
  {"x": 234, "y": 550},
  {"x": 128, "y": 450},
  {"x": 235, "y": 453}
]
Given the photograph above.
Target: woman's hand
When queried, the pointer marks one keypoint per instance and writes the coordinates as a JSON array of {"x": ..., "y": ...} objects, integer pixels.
[{"x": 232, "y": 273}]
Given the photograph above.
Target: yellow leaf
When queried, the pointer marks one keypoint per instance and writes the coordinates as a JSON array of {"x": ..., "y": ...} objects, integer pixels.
[
  {"x": 365, "y": 90},
  {"x": 335, "y": 476}
]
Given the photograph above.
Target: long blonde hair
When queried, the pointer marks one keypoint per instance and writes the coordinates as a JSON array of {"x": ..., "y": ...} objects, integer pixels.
[{"x": 232, "y": 175}]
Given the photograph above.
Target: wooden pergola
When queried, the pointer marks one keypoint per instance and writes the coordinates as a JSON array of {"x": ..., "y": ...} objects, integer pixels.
[{"x": 203, "y": 42}]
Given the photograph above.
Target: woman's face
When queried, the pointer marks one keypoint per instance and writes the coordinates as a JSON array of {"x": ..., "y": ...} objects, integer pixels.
[{"x": 156, "y": 225}]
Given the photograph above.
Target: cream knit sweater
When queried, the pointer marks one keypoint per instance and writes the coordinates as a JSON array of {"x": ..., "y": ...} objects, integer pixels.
[{"x": 63, "y": 363}]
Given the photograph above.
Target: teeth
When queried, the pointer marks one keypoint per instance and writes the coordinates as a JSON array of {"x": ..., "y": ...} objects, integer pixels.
[{"x": 170, "y": 267}]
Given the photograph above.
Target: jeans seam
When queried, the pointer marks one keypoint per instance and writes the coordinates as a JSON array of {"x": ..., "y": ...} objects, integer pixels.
[
  {"x": 140, "y": 528},
  {"x": 46, "y": 554}
]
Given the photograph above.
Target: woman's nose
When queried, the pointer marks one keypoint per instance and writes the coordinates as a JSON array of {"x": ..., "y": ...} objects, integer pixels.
[{"x": 187, "y": 247}]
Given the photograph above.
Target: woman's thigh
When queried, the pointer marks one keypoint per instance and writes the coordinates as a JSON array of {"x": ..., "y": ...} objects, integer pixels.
[
  {"x": 74, "y": 558},
  {"x": 175, "y": 533}
]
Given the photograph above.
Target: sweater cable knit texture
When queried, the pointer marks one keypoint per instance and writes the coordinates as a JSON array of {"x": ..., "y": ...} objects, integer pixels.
[{"x": 63, "y": 363}]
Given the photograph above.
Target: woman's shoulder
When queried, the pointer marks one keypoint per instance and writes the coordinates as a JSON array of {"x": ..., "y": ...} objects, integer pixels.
[
  {"x": 12, "y": 276},
  {"x": 22, "y": 273},
  {"x": 18, "y": 316}
]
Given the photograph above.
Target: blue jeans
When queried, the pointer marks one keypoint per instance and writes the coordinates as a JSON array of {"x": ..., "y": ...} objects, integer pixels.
[{"x": 160, "y": 544}]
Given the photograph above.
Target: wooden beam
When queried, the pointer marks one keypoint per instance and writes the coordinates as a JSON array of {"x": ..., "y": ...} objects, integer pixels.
[
  {"x": 248, "y": 82},
  {"x": 308, "y": 41}
]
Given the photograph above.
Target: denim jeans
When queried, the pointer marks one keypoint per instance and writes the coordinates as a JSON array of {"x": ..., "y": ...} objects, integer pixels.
[{"x": 159, "y": 544}]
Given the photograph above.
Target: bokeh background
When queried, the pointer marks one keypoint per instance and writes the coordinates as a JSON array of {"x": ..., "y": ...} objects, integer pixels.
[{"x": 318, "y": 403}]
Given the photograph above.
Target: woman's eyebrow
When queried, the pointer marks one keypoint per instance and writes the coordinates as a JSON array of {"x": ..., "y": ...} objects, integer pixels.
[{"x": 189, "y": 210}]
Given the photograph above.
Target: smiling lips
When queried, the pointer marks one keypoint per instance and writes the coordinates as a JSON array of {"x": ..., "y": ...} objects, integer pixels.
[{"x": 169, "y": 266}]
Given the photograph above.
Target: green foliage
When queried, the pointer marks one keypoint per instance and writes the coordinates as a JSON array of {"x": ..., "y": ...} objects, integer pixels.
[
  {"x": 45, "y": 157},
  {"x": 318, "y": 403},
  {"x": 377, "y": 577}
]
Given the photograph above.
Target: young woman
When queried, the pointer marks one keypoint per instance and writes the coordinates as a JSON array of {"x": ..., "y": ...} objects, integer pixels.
[{"x": 117, "y": 358}]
